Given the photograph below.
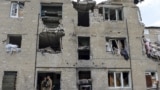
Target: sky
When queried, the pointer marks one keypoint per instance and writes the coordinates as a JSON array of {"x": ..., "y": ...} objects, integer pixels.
[{"x": 150, "y": 12}]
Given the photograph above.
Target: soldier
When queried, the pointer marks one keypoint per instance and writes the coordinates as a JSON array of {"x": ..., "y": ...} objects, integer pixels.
[
  {"x": 49, "y": 83},
  {"x": 43, "y": 84}
]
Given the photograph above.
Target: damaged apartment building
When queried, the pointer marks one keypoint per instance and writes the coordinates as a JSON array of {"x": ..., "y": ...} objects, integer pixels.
[{"x": 77, "y": 45}]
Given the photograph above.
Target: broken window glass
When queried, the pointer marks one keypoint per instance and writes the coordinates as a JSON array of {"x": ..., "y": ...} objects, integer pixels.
[
  {"x": 9, "y": 80},
  {"x": 49, "y": 80},
  {"x": 83, "y": 48},
  {"x": 118, "y": 79},
  {"x": 17, "y": 9},
  {"x": 51, "y": 14},
  {"x": 113, "y": 14},
  {"x": 117, "y": 46}
]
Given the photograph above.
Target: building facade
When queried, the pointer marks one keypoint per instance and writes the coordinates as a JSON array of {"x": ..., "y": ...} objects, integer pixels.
[{"x": 80, "y": 45}]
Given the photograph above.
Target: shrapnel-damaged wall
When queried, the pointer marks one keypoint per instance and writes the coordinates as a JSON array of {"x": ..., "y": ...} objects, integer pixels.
[{"x": 32, "y": 62}]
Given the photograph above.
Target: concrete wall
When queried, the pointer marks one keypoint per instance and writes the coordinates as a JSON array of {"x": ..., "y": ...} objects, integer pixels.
[{"x": 27, "y": 63}]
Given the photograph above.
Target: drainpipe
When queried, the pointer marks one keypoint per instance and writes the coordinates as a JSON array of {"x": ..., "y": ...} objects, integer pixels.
[
  {"x": 129, "y": 54},
  {"x": 36, "y": 51}
]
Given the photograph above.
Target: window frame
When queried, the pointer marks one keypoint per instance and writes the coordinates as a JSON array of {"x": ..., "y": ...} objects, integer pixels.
[
  {"x": 14, "y": 73},
  {"x": 18, "y": 8},
  {"x": 150, "y": 73},
  {"x": 116, "y": 13},
  {"x": 118, "y": 39},
  {"x": 116, "y": 9},
  {"x": 82, "y": 39},
  {"x": 9, "y": 36},
  {"x": 121, "y": 79},
  {"x": 12, "y": 9}
]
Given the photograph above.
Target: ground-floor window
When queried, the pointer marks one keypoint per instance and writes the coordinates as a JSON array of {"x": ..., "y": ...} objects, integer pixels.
[
  {"x": 119, "y": 79},
  {"x": 84, "y": 80},
  {"x": 48, "y": 81},
  {"x": 9, "y": 80},
  {"x": 151, "y": 79}
]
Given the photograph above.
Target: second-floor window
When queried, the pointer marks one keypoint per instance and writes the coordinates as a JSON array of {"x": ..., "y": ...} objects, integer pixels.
[{"x": 16, "y": 9}]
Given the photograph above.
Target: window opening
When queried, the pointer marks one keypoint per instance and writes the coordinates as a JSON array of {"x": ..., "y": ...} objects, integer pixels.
[
  {"x": 9, "y": 80},
  {"x": 85, "y": 81},
  {"x": 83, "y": 7},
  {"x": 17, "y": 9},
  {"x": 14, "y": 43},
  {"x": 126, "y": 79},
  {"x": 113, "y": 14},
  {"x": 118, "y": 79},
  {"x": 120, "y": 14},
  {"x": 151, "y": 79},
  {"x": 50, "y": 42},
  {"x": 117, "y": 46},
  {"x": 84, "y": 75},
  {"x": 15, "y": 39},
  {"x": 83, "y": 48},
  {"x": 100, "y": 10},
  {"x": 51, "y": 14},
  {"x": 83, "y": 18},
  {"x": 48, "y": 81},
  {"x": 111, "y": 79}
]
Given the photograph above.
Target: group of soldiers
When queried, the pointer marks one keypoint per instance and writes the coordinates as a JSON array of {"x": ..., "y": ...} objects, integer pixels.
[{"x": 46, "y": 83}]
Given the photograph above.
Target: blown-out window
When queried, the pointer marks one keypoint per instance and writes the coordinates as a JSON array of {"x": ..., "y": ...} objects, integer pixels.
[
  {"x": 15, "y": 40},
  {"x": 83, "y": 48},
  {"x": 117, "y": 46},
  {"x": 51, "y": 14}
]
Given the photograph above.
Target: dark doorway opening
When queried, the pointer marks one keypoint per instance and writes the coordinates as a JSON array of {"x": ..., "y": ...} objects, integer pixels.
[{"x": 54, "y": 76}]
